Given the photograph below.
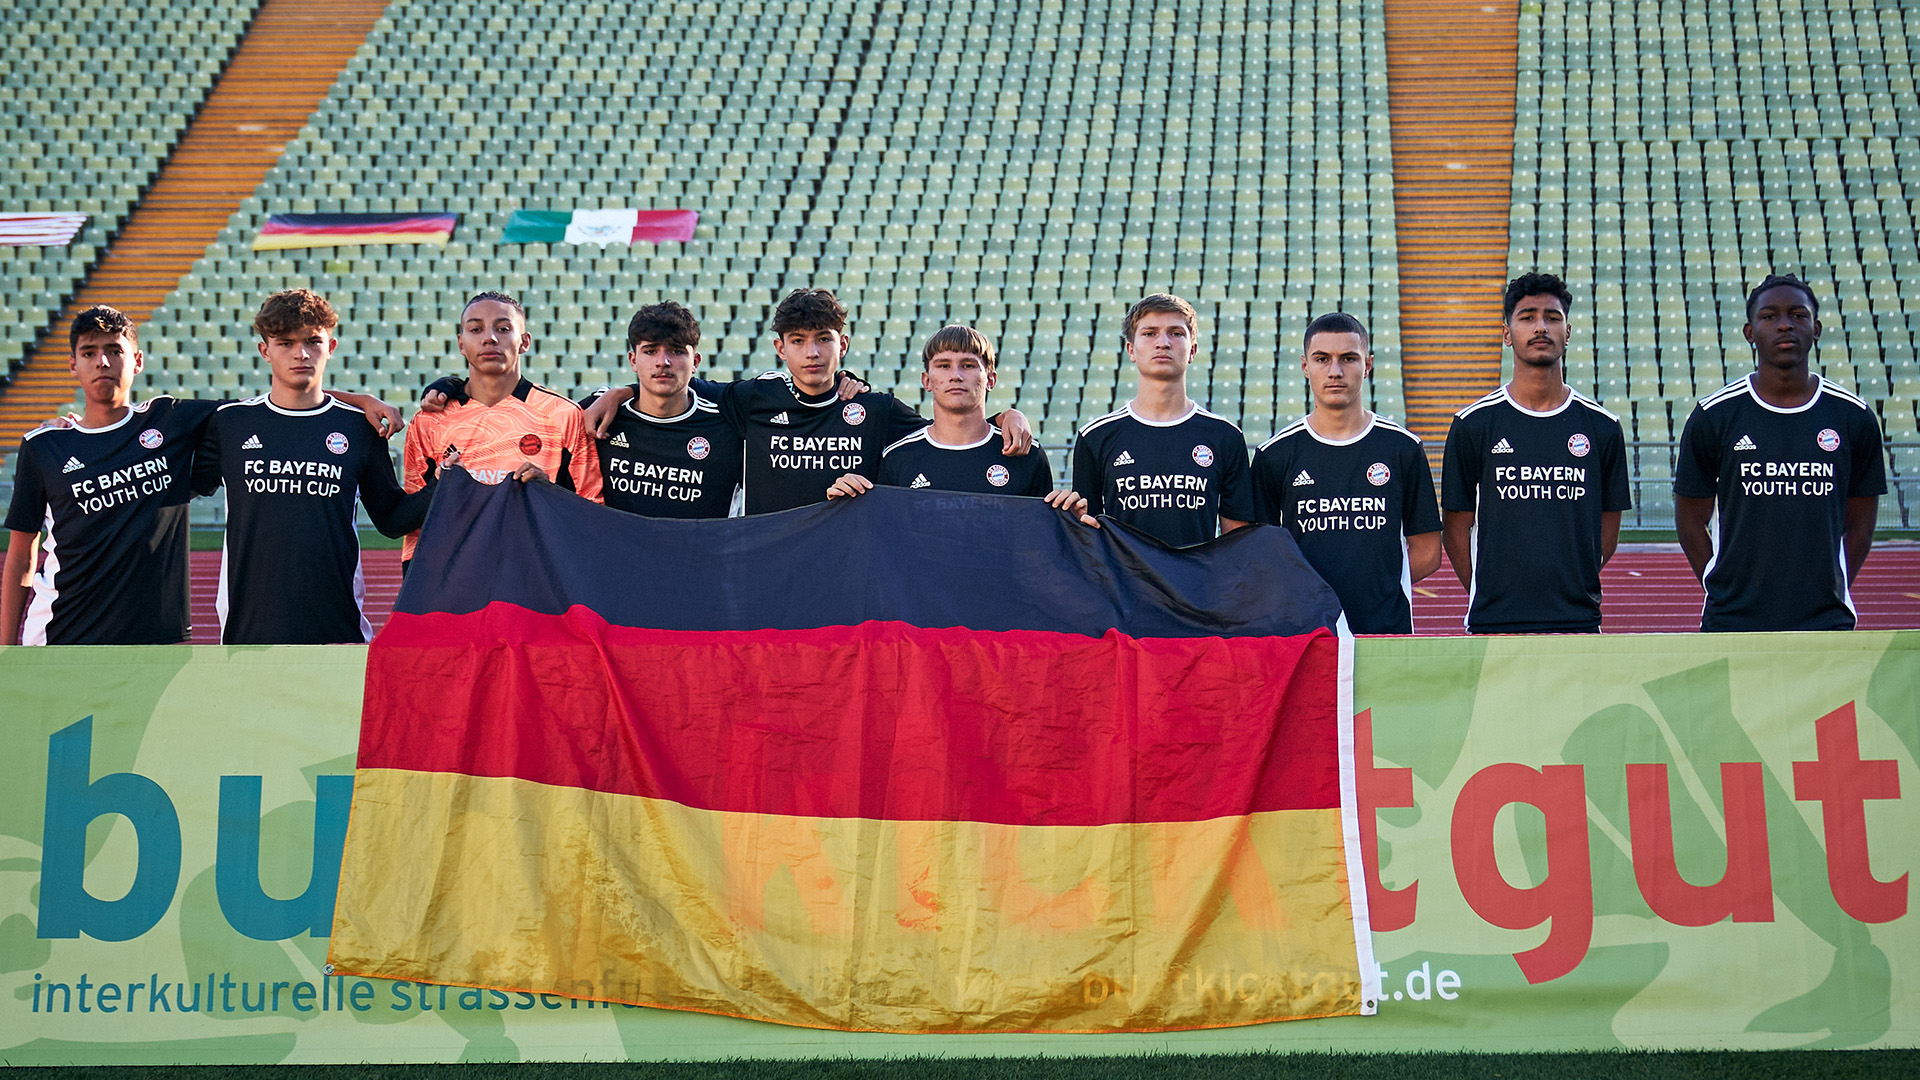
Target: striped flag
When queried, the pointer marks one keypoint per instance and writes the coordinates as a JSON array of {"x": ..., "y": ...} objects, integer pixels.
[
  {"x": 40, "y": 230},
  {"x": 917, "y": 762},
  {"x": 282, "y": 231},
  {"x": 599, "y": 227}
]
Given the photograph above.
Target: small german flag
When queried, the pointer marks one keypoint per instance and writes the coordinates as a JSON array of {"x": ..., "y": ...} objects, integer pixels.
[{"x": 283, "y": 231}]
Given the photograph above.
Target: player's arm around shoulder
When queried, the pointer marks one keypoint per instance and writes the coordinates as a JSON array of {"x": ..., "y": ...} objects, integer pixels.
[
  {"x": 419, "y": 456},
  {"x": 582, "y": 458}
]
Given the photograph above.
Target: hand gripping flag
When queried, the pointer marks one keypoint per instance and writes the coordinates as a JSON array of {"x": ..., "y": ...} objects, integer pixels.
[{"x": 917, "y": 762}]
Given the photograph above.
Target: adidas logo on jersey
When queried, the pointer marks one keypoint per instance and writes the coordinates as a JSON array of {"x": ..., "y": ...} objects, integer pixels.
[
  {"x": 780, "y": 418},
  {"x": 921, "y": 481},
  {"x": 1125, "y": 458},
  {"x": 1745, "y": 443},
  {"x": 1503, "y": 447},
  {"x": 72, "y": 465},
  {"x": 252, "y": 443},
  {"x": 619, "y": 439},
  {"x": 1303, "y": 479}
]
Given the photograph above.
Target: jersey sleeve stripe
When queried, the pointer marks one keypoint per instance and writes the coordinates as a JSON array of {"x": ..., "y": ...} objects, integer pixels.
[
  {"x": 920, "y": 436},
  {"x": 1381, "y": 421},
  {"x": 1099, "y": 420},
  {"x": 1217, "y": 416},
  {"x": 1491, "y": 399},
  {"x": 1592, "y": 404},
  {"x": 1842, "y": 393},
  {"x": 1290, "y": 429},
  {"x": 1731, "y": 390}
]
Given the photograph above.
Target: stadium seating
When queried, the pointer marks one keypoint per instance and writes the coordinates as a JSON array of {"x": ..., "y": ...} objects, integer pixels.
[
  {"x": 1666, "y": 177},
  {"x": 93, "y": 98},
  {"x": 1029, "y": 167}
]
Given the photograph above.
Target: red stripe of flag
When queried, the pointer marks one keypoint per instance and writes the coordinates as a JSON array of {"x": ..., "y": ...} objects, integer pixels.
[
  {"x": 660, "y": 226},
  {"x": 882, "y": 720}
]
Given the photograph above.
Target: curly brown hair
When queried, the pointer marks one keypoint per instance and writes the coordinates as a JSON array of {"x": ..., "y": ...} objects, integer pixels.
[{"x": 293, "y": 309}]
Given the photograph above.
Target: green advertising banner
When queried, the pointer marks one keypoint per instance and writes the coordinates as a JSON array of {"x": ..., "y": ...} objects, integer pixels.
[{"x": 1578, "y": 843}]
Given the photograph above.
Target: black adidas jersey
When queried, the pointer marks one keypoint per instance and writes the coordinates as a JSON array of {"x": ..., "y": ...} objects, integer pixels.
[
  {"x": 797, "y": 445},
  {"x": 918, "y": 462},
  {"x": 685, "y": 466},
  {"x": 113, "y": 503},
  {"x": 1351, "y": 506},
  {"x": 290, "y": 565},
  {"x": 1781, "y": 479},
  {"x": 1173, "y": 480},
  {"x": 1537, "y": 484}
]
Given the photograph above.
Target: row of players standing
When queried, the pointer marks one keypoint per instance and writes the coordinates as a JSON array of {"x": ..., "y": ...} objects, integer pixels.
[{"x": 1534, "y": 478}]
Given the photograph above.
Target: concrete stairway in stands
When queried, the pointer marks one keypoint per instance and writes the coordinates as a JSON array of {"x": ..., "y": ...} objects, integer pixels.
[
  {"x": 283, "y": 68},
  {"x": 1450, "y": 78}
]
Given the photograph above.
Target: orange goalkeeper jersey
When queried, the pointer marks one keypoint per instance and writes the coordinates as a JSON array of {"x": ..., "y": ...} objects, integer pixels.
[{"x": 531, "y": 424}]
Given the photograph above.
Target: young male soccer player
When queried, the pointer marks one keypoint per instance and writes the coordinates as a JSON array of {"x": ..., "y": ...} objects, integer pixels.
[
  {"x": 111, "y": 493},
  {"x": 1352, "y": 486},
  {"x": 1533, "y": 482},
  {"x": 1793, "y": 463},
  {"x": 1163, "y": 464},
  {"x": 801, "y": 432},
  {"x": 293, "y": 461},
  {"x": 506, "y": 427},
  {"x": 668, "y": 452},
  {"x": 960, "y": 451}
]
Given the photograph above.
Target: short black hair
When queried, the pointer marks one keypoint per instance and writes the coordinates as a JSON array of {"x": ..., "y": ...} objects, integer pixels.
[
  {"x": 1335, "y": 322},
  {"x": 497, "y": 297},
  {"x": 667, "y": 323},
  {"x": 809, "y": 309},
  {"x": 101, "y": 319},
  {"x": 1773, "y": 280},
  {"x": 1534, "y": 284}
]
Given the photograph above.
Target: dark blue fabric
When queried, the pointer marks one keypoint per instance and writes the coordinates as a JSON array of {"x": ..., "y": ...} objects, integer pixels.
[{"x": 926, "y": 558}]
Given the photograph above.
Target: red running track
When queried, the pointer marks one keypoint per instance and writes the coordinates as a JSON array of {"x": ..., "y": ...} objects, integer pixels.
[{"x": 1647, "y": 589}]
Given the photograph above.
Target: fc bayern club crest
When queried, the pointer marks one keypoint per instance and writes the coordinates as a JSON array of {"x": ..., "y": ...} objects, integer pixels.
[
  {"x": 1203, "y": 455},
  {"x": 998, "y": 476},
  {"x": 337, "y": 442},
  {"x": 151, "y": 438},
  {"x": 529, "y": 444},
  {"x": 1378, "y": 474},
  {"x": 698, "y": 448},
  {"x": 1829, "y": 440},
  {"x": 1579, "y": 445},
  {"x": 854, "y": 414}
]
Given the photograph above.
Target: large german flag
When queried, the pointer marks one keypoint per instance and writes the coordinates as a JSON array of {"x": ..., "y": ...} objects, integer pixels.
[{"x": 914, "y": 762}]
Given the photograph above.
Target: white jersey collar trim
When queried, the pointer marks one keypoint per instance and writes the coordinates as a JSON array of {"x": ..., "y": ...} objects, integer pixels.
[
  {"x": 1555, "y": 411},
  {"x": 1819, "y": 389},
  {"x": 1193, "y": 407},
  {"x": 976, "y": 444},
  {"x": 1372, "y": 419}
]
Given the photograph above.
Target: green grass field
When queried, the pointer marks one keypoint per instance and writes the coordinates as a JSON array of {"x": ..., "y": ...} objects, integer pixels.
[{"x": 1694, "y": 1065}]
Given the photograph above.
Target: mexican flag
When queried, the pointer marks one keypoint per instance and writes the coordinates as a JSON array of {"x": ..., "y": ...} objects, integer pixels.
[{"x": 601, "y": 227}]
